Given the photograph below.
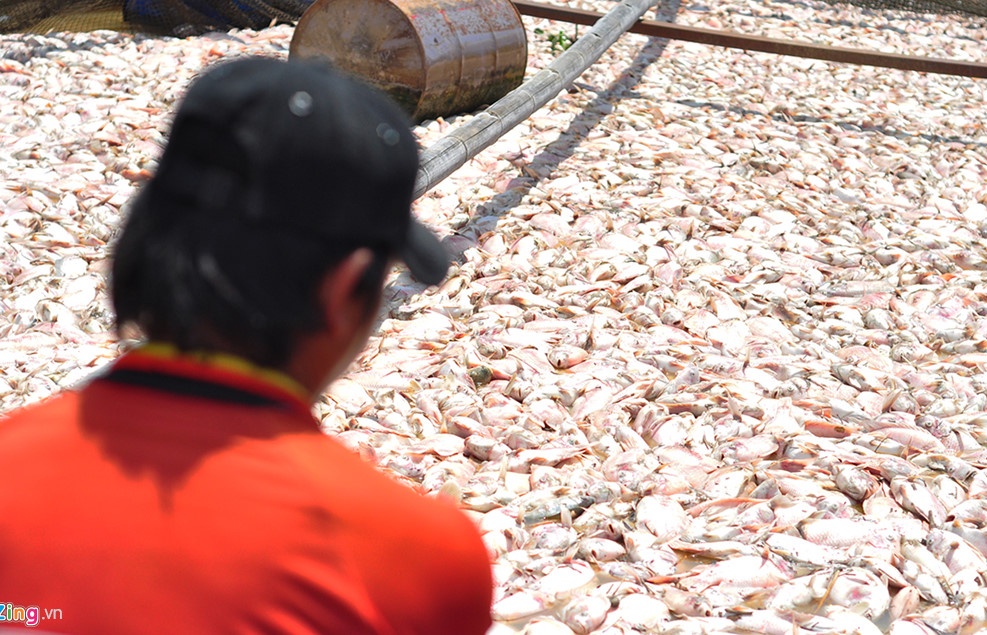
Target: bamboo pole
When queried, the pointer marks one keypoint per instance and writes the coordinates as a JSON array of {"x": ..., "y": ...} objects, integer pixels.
[{"x": 464, "y": 142}]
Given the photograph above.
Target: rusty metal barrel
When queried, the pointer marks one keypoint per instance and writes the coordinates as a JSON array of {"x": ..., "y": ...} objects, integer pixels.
[{"x": 434, "y": 57}]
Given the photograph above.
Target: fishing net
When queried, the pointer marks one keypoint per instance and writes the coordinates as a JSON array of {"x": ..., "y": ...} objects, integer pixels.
[{"x": 191, "y": 17}]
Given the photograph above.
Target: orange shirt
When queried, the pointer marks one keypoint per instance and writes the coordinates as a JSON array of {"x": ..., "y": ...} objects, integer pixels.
[{"x": 175, "y": 496}]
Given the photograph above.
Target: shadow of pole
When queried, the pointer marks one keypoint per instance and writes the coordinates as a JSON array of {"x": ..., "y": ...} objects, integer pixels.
[{"x": 552, "y": 155}]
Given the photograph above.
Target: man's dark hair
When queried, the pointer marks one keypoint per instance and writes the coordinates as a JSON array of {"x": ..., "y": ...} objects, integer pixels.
[
  {"x": 273, "y": 173},
  {"x": 206, "y": 283}
]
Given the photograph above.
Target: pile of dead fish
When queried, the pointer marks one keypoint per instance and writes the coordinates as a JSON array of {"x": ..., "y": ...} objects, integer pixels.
[{"x": 713, "y": 357}]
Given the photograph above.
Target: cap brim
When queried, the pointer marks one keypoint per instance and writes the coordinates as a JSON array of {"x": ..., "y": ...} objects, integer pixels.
[{"x": 425, "y": 256}]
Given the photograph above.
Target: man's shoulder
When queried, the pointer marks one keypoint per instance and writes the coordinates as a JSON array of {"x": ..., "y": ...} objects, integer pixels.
[{"x": 53, "y": 408}]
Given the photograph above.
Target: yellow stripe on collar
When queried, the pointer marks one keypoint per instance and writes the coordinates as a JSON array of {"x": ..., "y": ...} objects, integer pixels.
[{"x": 229, "y": 363}]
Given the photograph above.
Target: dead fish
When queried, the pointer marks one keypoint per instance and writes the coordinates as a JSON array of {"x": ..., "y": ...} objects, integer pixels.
[
  {"x": 552, "y": 509},
  {"x": 916, "y": 497},
  {"x": 749, "y": 573},
  {"x": 586, "y": 613},
  {"x": 662, "y": 516},
  {"x": 855, "y": 482}
]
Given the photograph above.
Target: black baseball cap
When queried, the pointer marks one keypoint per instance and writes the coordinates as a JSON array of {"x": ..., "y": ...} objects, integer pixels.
[{"x": 296, "y": 145}]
